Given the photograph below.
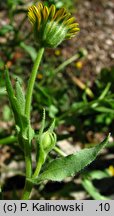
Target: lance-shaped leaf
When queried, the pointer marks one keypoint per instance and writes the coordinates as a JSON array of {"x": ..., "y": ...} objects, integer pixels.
[
  {"x": 9, "y": 87},
  {"x": 20, "y": 97},
  {"x": 13, "y": 100},
  {"x": 61, "y": 168},
  {"x": 17, "y": 101}
]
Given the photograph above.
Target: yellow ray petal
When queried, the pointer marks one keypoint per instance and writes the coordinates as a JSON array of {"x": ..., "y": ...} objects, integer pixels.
[
  {"x": 40, "y": 6},
  {"x": 59, "y": 13},
  {"x": 45, "y": 13},
  {"x": 69, "y": 21},
  {"x": 64, "y": 18},
  {"x": 74, "y": 25},
  {"x": 52, "y": 11},
  {"x": 74, "y": 30},
  {"x": 31, "y": 17}
]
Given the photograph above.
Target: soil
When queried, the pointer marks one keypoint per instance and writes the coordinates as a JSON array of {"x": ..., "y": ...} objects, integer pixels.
[{"x": 96, "y": 20}]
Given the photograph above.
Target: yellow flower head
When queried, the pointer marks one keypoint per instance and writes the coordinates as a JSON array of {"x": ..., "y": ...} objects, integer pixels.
[{"x": 51, "y": 27}]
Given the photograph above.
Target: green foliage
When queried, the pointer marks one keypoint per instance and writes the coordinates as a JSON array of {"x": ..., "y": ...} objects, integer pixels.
[
  {"x": 20, "y": 97},
  {"x": 17, "y": 102},
  {"x": 61, "y": 168},
  {"x": 88, "y": 185},
  {"x": 12, "y": 4},
  {"x": 7, "y": 113},
  {"x": 30, "y": 50},
  {"x": 5, "y": 29},
  {"x": 106, "y": 76}
]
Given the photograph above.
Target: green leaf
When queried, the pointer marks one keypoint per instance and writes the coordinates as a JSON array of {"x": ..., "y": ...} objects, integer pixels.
[
  {"x": 5, "y": 29},
  {"x": 77, "y": 106},
  {"x": 94, "y": 193},
  {"x": 23, "y": 127},
  {"x": 61, "y": 168},
  {"x": 30, "y": 50},
  {"x": 104, "y": 109},
  {"x": 2, "y": 91},
  {"x": 16, "y": 111},
  {"x": 105, "y": 91},
  {"x": 26, "y": 130},
  {"x": 20, "y": 97},
  {"x": 98, "y": 174},
  {"x": 6, "y": 113},
  {"x": 13, "y": 101},
  {"x": 52, "y": 126},
  {"x": 52, "y": 111},
  {"x": 9, "y": 86}
]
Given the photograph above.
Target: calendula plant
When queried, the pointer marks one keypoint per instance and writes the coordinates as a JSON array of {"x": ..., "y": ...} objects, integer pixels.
[{"x": 50, "y": 27}]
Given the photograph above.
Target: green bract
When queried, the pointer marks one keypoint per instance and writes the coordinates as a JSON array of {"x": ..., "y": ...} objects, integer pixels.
[{"x": 51, "y": 27}]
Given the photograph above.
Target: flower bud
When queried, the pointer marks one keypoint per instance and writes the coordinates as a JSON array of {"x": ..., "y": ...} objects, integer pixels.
[
  {"x": 51, "y": 27},
  {"x": 48, "y": 141}
]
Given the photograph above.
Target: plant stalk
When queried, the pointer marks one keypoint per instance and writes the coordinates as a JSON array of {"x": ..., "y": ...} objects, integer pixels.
[
  {"x": 59, "y": 151},
  {"x": 28, "y": 162},
  {"x": 29, "y": 185},
  {"x": 32, "y": 81},
  {"x": 27, "y": 190}
]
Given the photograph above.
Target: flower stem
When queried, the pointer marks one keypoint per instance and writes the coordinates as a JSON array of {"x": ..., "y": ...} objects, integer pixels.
[
  {"x": 59, "y": 151},
  {"x": 31, "y": 82},
  {"x": 28, "y": 165},
  {"x": 27, "y": 190},
  {"x": 28, "y": 162},
  {"x": 29, "y": 185},
  {"x": 38, "y": 168}
]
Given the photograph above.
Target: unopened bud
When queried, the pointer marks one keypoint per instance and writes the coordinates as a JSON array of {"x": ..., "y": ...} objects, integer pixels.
[{"x": 48, "y": 141}]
